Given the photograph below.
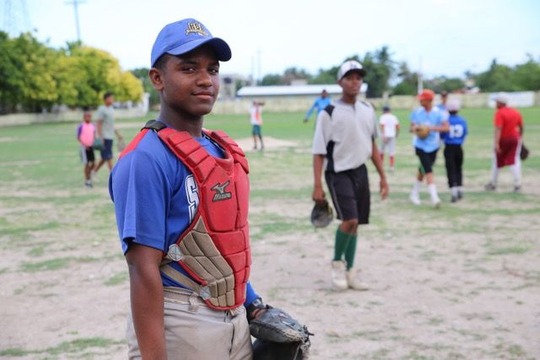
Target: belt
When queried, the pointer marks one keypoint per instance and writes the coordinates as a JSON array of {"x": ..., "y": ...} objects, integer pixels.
[{"x": 185, "y": 296}]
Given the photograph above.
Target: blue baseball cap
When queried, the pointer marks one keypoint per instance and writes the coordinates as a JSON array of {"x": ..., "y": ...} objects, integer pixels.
[{"x": 181, "y": 37}]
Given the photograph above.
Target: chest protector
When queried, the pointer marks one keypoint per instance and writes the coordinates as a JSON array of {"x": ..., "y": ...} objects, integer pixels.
[{"x": 215, "y": 248}]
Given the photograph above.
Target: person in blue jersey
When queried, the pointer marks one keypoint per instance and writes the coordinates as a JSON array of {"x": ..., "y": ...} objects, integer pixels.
[
  {"x": 319, "y": 104},
  {"x": 453, "y": 149},
  {"x": 344, "y": 140},
  {"x": 181, "y": 197},
  {"x": 426, "y": 149}
]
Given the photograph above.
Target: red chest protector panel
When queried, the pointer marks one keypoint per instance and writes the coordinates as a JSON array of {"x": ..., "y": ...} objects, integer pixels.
[{"x": 215, "y": 248}]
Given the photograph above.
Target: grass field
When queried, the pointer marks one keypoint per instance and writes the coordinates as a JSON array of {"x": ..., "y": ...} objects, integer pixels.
[{"x": 64, "y": 282}]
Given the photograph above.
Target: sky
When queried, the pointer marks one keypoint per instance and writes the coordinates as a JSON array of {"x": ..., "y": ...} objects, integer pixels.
[{"x": 434, "y": 37}]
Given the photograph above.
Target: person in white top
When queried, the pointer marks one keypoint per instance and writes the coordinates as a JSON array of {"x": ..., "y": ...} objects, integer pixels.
[
  {"x": 389, "y": 125},
  {"x": 255, "y": 113}
]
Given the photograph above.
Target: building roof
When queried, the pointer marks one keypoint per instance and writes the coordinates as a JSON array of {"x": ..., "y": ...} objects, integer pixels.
[{"x": 279, "y": 90}]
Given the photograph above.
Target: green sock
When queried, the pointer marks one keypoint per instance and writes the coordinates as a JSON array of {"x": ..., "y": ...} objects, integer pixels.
[
  {"x": 350, "y": 251},
  {"x": 342, "y": 239}
]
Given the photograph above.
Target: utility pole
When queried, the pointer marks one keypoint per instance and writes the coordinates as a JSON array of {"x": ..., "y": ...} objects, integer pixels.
[
  {"x": 76, "y": 10},
  {"x": 420, "y": 86}
]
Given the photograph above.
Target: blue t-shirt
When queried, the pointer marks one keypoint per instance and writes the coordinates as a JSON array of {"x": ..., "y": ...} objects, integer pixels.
[
  {"x": 458, "y": 130},
  {"x": 434, "y": 117},
  {"x": 320, "y": 104},
  {"x": 156, "y": 197}
]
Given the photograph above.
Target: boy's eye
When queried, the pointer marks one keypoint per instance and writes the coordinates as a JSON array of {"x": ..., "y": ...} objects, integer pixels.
[{"x": 189, "y": 68}]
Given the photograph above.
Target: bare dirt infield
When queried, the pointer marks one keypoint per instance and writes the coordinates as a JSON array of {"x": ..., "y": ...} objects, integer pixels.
[{"x": 470, "y": 293}]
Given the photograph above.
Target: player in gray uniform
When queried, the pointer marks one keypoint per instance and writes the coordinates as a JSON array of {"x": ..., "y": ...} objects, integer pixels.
[{"x": 344, "y": 140}]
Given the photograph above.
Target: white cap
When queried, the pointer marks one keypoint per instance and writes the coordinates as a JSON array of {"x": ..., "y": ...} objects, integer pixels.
[
  {"x": 453, "y": 105},
  {"x": 350, "y": 65},
  {"x": 501, "y": 98}
]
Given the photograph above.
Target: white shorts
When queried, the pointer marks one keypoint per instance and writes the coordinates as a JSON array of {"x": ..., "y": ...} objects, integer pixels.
[{"x": 388, "y": 146}]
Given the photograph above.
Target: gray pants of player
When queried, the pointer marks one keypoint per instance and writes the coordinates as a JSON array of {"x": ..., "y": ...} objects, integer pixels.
[{"x": 196, "y": 332}]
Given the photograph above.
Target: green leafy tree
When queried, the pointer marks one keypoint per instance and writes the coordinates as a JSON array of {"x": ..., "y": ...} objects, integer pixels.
[
  {"x": 324, "y": 77},
  {"x": 11, "y": 75},
  {"x": 272, "y": 79},
  {"x": 452, "y": 84},
  {"x": 527, "y": 76},
  {"x": 34, "y": 77},
  {"x": 496, "y": 78},
  {"x": 408, "y": 83},
  {"x": 380, "y": 68},
  {"x": 27, "y": 81},
  {"x": 142, "y": 75}
]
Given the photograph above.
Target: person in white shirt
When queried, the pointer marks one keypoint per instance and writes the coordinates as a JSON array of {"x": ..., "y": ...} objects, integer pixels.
[{"x": 389, "y": 125}]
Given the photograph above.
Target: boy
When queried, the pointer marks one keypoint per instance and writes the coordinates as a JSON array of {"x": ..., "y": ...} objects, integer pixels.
[
  {"x": 105, "y": 131},
  {"x": 255, "y": 115},
  {"x": 426, "y": 148},
  {"x": 389, "y": 124},
  {"x": 319, "y": 104},
  {"x": 344, "y": 140},
  {"x": 507, "y": 141},
  {"x": 181, "y": 197},
  {"x": 453, "y": 149},
  {"x": 86, "y": 133}
]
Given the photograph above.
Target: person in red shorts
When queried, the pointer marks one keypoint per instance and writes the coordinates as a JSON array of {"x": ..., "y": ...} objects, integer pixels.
[{"x": 507, "y": 141}]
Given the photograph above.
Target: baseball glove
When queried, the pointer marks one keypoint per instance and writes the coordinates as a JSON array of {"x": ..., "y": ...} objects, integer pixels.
[
  {"x": 422, "y": 131},
  {"x": 321, "y": 214},
  {"x": 524, "y": 154},
  {"x": 275, "y": 325},
  {"x": 266, "y": 350}
]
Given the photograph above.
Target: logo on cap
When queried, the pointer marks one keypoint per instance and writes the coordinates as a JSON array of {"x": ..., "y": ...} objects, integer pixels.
[{"x": 196, "y": 28}]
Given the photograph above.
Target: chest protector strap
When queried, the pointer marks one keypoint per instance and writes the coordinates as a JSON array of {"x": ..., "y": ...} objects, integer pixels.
[{"x": 215, "y": 248}]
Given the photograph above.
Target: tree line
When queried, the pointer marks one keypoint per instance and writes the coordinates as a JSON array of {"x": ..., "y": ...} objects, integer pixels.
[
  {"x": 35, "y": 77},
  {"x": 387, "y": 76}
]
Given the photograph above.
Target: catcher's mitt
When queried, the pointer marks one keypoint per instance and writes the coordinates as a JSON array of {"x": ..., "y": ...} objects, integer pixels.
[
  {"x": 279, "y": 336},
  {"x": 524, "y": 154},
  {"x": 321, "y": 214},
  {"x": 266, "y": 350},
  {"x": 276, "y": 325},
  {"x": 422, "y": 131}
]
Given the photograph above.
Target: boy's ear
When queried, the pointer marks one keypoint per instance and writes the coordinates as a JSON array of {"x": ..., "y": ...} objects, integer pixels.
[{"x": 155, "y": 76}]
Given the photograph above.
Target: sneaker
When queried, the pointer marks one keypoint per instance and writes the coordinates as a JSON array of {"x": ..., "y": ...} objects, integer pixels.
[
  {"x": 517, "y": 188},
  {"x": 339, "y": 278},
  {"x": 415, "y": 199},
  {"x": 88, "y": 184},
  {"x": 392, "y": 169},
  {"x": 353, "y": 282},
  {"x": 437, "y": 203},
  {"x": 490, "y": 187},
  {"x": 455, "y": 198},
  {"x": 460, "y": 195}
]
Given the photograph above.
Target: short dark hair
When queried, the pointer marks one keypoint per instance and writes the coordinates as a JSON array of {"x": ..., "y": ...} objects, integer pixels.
[
  {"x": 161, "y": 61},
  {"x": 107, "y": 94}
]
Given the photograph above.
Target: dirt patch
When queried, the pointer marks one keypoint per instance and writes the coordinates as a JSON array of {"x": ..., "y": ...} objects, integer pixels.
[{"x": 461, "y": 282}]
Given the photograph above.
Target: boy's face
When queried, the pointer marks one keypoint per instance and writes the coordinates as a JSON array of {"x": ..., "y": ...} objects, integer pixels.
[
  {"x": 87, "y": 116},
  {"x": 109, "y": 100},
  {"x": 351, "y": 83},
  {"x": 189, "y": 84},
  {"x": 426, "y": 103}
]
